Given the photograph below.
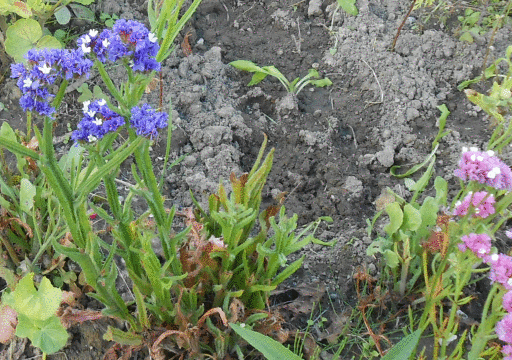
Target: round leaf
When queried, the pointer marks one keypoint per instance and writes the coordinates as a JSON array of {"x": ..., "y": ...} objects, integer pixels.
[
  {"x": 63, "y": 15},
  {"x": 21, "y": 37}
]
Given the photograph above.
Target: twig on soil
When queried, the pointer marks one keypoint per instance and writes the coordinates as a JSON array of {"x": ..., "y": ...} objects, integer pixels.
[
  {"x": 299, "y": 40},
  {"x": 225, "y": 8},
  {"x": 402, "y": 25},
  {"x": 378, "y": 83},
  {"x": 353, "y": 135}
]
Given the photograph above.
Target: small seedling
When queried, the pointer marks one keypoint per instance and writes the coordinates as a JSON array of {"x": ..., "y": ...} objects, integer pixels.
[
  {"x": 108, "y": 19},
  {"x": 293, "y": 87}
]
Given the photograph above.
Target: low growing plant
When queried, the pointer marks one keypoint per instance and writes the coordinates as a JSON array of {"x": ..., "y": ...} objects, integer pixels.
[
  {"x": 36, "y": 314},
  {"x": 293, "y": 87}
]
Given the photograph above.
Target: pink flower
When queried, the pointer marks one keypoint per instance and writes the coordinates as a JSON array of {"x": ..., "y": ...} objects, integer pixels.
[
  {"x": 507, "y": 350},
  {"x": 507, "y": 303},
  {"x": 480, "y": 244},
  {"x": 485, "y": 168},
  {"x": 482, "y": 202},
  {"x": 501, "y": 270},
  {"x": 504, "y": 329}
]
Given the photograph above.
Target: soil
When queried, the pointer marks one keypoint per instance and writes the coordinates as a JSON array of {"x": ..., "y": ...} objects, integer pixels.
[{"x": 334, "y": 145}]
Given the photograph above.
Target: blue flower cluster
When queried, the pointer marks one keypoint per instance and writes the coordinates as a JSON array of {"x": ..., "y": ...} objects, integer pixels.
[
  {"x": 128, "y": 39},
  {"x": 42, "y": 69},
  {"x": 147, "y": 121},
  {"x": 98, "y": 120}
]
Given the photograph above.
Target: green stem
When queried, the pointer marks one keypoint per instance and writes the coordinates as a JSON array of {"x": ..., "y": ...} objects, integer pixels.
[
  {"x": 110, "y": 84},
  {"x": 29, "y": 126}
]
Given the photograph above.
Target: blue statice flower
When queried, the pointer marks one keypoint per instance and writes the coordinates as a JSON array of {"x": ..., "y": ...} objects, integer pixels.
[
  {"x": 133, "y": 40},
  {"x": 43, "y": 68},
  {"x": 95, "y": 43},
  {"x": 98, "y": 120},
  {"x": 146, "y": 121}
]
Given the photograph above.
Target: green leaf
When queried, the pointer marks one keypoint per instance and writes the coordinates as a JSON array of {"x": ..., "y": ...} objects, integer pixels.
[
  {"x": 36, "y": 304},
  {"x": 466, "y": 37},
  {"x": 63, "y": 15},
  {"x": 49, "y": 42},
  {"x": 286, "y": 273},
  {"x": 441, "y": 186},
  {"x": 48, "y": 335},
  {"x": 349, "y": 6},
  {"x": 396, "y": 217},
  {"x": 405, "y": 348},
  {"x": 123, "y": 337},
  {"x": 321, "y": 82},
  {"x": 84, "y": 2},
  {"x": 391, "y": 257},
  {"x": 414, "y": 168},
  {"x": 246, "y": 65},
  {"x": 412, "y": 218},
  {"x": 270, "y": 348},
  {"x": 257, "y": 78},
  {"x": 81, "y": 12},
  {"x": 27, "y": 194},
  {"x": 21, "y": 37}
]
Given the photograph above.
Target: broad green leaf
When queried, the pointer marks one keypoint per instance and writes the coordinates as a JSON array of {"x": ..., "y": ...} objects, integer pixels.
[
  {"x": 441, "y": 186},
  {"x": 27, "y": 194},
  {"x": 246, "y": 65},
  {"x": 49, "y": 42},
  {"x": 63, "y": 15},
  {"x": 272, "y": 70},
  {"x": 396, "y": 217},
  {"x": 48, "y": 335},
  {"x": 22, "y": 9},
  {"x": 509, "y": 51},
  {"x": 257, "y": 78},
  {"x": 412, "y": 218},
  {"x": 349, "y": 6},
  {"x": 391, "y": 258},
  {"x": 321, "y": 82},
  {"x": 405, "y": 348},
  {"x": 39, "y": 5},
  {"x": 270, "y": 348},
  {"x": 21, "y": 37},
  {"x": 84, "y": 2},
  {"x": 36, "y": 304},
  {"x": 467, "y": 37},
  {"x": 81, "y": 12}
]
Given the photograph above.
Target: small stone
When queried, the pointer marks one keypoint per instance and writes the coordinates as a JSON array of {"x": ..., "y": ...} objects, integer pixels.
[
  {"x": 315, "y": 8},
  {"x": 189, "y": 161}
]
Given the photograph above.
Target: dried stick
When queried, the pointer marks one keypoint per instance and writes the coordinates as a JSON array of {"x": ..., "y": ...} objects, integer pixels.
[{"x": 402, "y": 25}]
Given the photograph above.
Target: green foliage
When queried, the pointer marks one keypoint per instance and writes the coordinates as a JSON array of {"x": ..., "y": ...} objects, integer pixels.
[
  {"x": 293, "y": 87},
  {"x": 270, "y": 348},
  {"x": 498, "y": 103},
  {"x": 349, "y": 6},
  {"x": 108, "y": 19},
  {"x": 30, "y": 214},
  {"x": 252, "y": 265},
  {"x": 24, "y": 35},
  {"x": 166, "y": 23},
  {"x": 27, "y": 33},
  {"x": 405, "y": 348},
  {"x": 36, "y": 313}
]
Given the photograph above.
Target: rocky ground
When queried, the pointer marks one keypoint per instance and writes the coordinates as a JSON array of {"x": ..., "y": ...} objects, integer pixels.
[{"x": 334, "y": 145}]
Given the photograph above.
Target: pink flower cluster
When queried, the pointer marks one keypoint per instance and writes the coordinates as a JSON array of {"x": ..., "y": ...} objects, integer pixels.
[
  {"x": 485, "y": 168},
  {"x": 482, "y": 202},
  {"x": 501, "y": 271},
  {"x": 480, "y": 244}
]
